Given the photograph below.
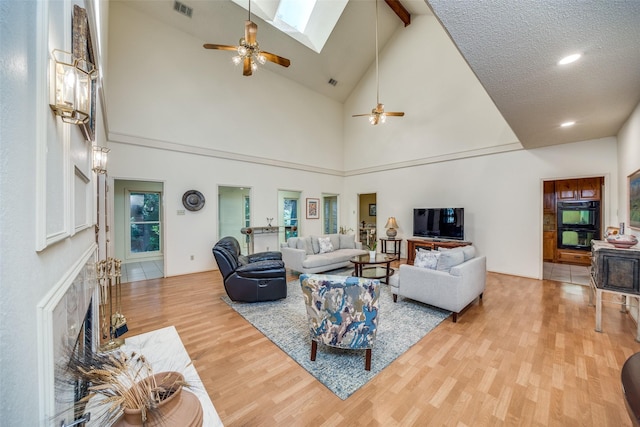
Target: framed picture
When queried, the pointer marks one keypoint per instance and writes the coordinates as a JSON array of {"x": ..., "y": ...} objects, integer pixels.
[
  {"x": 634, "y": 200},
  {"x": 313, "y": 208},
  {"x": 372, "y": 209}
]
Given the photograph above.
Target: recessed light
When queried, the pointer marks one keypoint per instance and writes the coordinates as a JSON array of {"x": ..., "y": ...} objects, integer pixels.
[
  {"x": 567, "y": 124},
  {"x": 569, "y": 59}
]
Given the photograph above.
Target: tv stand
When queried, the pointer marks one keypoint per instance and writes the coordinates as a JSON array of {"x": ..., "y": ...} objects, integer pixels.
[{"x": 431, "y": 245}]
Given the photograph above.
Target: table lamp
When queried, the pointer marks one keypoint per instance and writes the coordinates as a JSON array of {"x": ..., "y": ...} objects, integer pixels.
[{"x": 391, "y": 226}]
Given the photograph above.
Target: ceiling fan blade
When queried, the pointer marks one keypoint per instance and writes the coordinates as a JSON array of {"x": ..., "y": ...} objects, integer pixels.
[
  {"x": 250, "y": 32},
  {"x": 276, "y": 59},
  {"x": 246, "y": 67},
  {"x": 397, "y": 114},
  {"x": 219, "y": 46},
  {"x": 361, "y": 115}
]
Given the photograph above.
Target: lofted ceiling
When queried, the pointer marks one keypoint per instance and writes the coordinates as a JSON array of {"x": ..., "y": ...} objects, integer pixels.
[{"x": 511, "y": 46}]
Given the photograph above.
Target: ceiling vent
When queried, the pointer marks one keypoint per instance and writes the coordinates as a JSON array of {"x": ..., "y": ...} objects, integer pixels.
[{"x": 182, "y": 8}]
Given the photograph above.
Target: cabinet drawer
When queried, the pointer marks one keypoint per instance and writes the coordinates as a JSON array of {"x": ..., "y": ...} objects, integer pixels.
[{"x": 574, "y": 257}]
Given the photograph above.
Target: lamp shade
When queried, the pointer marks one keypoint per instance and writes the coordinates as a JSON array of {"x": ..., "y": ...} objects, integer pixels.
[
  {"x": 391, "y": 226},
  {"x": 391, "y": 222},
  {"x": 100, "y": 159}
]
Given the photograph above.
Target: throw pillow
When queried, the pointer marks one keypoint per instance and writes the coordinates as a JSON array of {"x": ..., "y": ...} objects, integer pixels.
[
  {"x": 325, "y": 245},
  {"x": 315, "y": 244},
  {"x": 426, "y": 259},
  {"x": 347, "y": 241},
  {"x": 305, "y": 243},
  {"x": 449, "y": 259},
  {"x": 469, "y": 252}
]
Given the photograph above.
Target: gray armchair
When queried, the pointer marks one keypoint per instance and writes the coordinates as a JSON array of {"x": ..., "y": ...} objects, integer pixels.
[{"x": 250, "y": 278}]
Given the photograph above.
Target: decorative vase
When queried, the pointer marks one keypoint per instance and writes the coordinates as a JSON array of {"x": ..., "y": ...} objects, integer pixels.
[
  {"x": 179, "y": 409},
  {"x": 372, "y": 255}
]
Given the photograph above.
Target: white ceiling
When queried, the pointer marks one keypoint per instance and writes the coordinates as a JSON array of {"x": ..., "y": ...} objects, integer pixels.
[
  {"x": 512, "y": 47},
  {"x": 348, "y": 53}
]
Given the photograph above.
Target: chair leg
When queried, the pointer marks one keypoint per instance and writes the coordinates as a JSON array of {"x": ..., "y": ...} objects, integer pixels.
[
  {"x": 314, "y": 349},
  {"x": 367, "y": 360}
]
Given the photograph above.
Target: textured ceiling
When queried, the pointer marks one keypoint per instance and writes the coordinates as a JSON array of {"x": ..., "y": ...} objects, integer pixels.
[{"x": 513, "y": 48}]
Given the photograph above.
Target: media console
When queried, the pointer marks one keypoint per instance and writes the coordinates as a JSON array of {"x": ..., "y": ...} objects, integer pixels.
[{"x": 430, "y": 244}]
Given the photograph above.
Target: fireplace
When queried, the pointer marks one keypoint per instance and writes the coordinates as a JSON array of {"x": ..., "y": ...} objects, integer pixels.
[{"x": 67, "y": 321}]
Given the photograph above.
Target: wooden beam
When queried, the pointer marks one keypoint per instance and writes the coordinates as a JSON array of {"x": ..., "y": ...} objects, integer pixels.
[{"x": 399, "y": 9}]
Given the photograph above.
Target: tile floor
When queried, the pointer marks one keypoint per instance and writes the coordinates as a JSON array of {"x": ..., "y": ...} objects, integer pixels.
[
  {"x": 577, "y": 274},
  {"x": 134, "y": 271}
]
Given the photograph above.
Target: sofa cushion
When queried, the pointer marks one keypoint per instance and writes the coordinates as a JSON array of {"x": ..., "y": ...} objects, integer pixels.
[
  {"x": 347, "y": 241},
  {"x": 449, "y": 259},
  {"x": 305, "y": 243},
  {"x": 325, "y": 245},
  {"x": 316, "y": 245},
  {"x": 292, "y": 242},
  {"x": 469, "y": 252},
  {"x": 427, "y": 259},
  {"x": 335, "y": 240}
]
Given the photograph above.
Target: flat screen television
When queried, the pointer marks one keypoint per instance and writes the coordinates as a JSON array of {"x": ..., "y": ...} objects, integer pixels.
[{"x": 440, "y": 223}]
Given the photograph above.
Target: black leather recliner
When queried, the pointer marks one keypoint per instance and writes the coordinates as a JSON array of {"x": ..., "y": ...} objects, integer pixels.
[{"x": 250, "y": 278}]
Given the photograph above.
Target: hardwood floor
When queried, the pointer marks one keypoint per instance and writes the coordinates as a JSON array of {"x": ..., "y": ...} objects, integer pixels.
[{"x": 527, "y": 355}]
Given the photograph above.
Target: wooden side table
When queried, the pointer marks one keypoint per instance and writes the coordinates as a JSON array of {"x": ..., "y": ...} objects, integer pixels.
[{"x": 395, "y": 250}]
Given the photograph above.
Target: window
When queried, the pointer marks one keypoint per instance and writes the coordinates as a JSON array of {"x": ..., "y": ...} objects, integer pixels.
[
  {"x": 144, "y": 223},
  {"x": 330, "y": 214},
  {"x": 290, "y": 217}
]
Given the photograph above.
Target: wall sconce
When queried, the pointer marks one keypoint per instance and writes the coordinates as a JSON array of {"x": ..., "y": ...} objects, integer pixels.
[
  {"x": 391, "y": 226},
  {"x": 100, "y": 159},
  {"x": 71, "y": 87}
]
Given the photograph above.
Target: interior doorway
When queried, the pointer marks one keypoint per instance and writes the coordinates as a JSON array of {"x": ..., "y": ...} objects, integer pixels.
[
  {"x": 234, "y": 213},
  {"x": 330, "y": 213},
  {"x": 288, "y": 214},
  {"x": 138, "y": 229},
  {"x": 367, "y": 218}
]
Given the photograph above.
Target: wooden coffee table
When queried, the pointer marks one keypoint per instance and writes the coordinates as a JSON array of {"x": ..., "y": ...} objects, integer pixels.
[{"x": 373, "y": 268}]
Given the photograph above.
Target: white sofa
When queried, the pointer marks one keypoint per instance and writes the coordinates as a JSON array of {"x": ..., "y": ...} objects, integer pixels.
[
  {"x": 459, "y": 277},
  {"x": 303, "y": 254}
]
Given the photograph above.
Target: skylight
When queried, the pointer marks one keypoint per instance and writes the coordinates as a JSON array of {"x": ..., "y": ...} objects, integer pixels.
[
  {"x": 310, "y": 22},
  {"x": 295, "y": 13}
]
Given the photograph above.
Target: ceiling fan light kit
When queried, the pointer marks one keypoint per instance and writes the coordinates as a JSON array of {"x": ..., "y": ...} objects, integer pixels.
[
  {"x": 249, "y": 53},
  {"x": 378, "y": 115}
]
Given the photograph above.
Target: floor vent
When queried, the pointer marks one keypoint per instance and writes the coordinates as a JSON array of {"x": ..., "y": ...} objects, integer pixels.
[{"x": 182, "y": 8}]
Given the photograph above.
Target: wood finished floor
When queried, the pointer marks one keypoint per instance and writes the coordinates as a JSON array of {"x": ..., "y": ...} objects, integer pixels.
[{"x": 527, "y": 355}]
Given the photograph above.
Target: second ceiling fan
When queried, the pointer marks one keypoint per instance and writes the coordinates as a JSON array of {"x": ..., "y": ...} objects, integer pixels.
[
  {"x": 378, "y": 115},
  {"x": 249, "y": 52}
]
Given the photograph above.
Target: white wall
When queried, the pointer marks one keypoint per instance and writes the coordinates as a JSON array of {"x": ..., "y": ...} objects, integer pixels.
[
  {"x": 164, "y": 86},
  {"x": 628, "y": 163},
  {"x": 29, "y": 31},
  {"x": 501, "y": 194},
  {"x": 446, "y": 109},
  {"x": 195, "y": 233}
]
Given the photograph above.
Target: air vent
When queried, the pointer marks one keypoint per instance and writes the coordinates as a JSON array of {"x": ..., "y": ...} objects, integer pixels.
[{"x": 182, "y": 8}]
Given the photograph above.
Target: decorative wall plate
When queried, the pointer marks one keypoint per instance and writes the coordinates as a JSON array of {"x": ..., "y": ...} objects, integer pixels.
[{"x": 193, "y": 200}]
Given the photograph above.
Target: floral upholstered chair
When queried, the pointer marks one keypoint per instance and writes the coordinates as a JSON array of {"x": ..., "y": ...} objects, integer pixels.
[{"x": 342, "y": 312}]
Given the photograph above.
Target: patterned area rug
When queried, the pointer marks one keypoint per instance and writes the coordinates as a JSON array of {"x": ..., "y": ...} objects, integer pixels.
[{"x": 284, "y": 322}]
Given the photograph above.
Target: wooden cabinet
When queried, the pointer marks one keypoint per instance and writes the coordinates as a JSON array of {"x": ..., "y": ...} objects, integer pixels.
[
  {"x": 577, "y": 189},
  {"x": 566, "y": 189},
  {"x": 430, "y": 244},
  {"x": 549, "y": 246},
  {"x": 615, "y": 268},
  {"x": 549, "y": 200},
  {"x": 571, "y": 256},
  {"x": 589, "y": 188}
]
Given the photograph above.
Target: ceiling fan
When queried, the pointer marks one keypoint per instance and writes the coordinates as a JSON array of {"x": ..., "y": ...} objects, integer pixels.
[
  {"x": 378, "y": 115},
  {"x": 249, "y": 52}
]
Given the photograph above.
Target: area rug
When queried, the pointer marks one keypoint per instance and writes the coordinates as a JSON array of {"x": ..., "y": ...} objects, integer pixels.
[{"x": 284, "y": 322}]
